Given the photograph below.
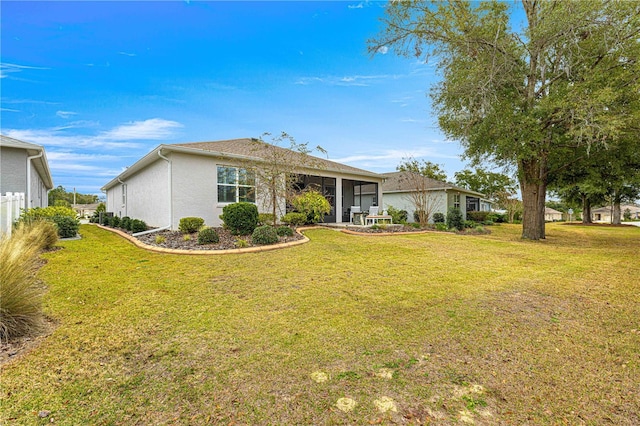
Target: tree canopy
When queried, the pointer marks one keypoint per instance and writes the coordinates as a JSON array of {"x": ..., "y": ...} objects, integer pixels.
[
  {"x": 59, "y": 195},
  {"x": 525, "y": 97},
  {"x": 488, "y": 183},
  {"x": 423, "y": 168}
]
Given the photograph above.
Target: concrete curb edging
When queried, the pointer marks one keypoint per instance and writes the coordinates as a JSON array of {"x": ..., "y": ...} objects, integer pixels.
[
  {"x": 382, "y": 234},
  {"x": 157, "y": 249}
]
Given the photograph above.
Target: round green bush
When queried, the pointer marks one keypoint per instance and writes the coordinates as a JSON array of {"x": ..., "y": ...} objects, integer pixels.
[
  {"x": 294, "y": 218},
  {"x": 266, "y": 218},
  {"x": 189, "y": 225},
  {"x": 138, "y": 225},
  {"x": 114, "y": 222},
  {"x": 455, "y": 219},
  {"x": 208, "y": 236},
  {"x": 240, "y": 218},
  {"x": 265, "y": 235},
  {"x": 67, "y": 226},
  {"x": 284, "y": 231},
  {"x": 438, "y": 217},
  {"x": 125, "y": 223}
]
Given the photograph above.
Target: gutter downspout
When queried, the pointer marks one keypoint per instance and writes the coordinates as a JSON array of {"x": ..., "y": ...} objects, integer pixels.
[
  {"x": 169, "y": 192},
  {"x": 29, "y": 176}
]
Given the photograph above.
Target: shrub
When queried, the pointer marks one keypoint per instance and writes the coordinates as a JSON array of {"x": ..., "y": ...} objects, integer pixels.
[
  {"x": 294, "y": 219},
  {"x": 415, "y": 224},
  {"x": 266, "y": 218},
  {"x": 189, "y": 225},
  {"x": 208, "y": 236},
  {"x": 67, "y": 226},
  {"x": 21, "y": 298},
  {"x": 477, "y": 216},
  {"x": 416, "y": 215},
  {"x": 125, "y": 223},
  {"x": 470, "y": 224},
  {"x": 438, "y": 217},
  {"x": 454, "y": 219},
  {"x": 399, "y": 216},
  {"x": 441, "y": 226},
  {"x": 240, "y": 243},
  {"x": 186, "y": 237},
  {"x": 264, "y": 235},
  {"x": 114, "y": 222},
  {"x": 137, "y": 225},
  {"x": 313, "y": 204},
  {"x": 160, "y": 239},
  {"x": 38, "y": 213},
  {"x": 284, "y": 231},
  {"x": 240, "y": 218}
]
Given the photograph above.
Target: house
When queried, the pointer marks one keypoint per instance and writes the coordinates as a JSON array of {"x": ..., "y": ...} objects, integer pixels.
[
  {"x": 605, "y": 214},
  {"x": 198, "y": 179},
  {"x": 24, "y": 169},
  {"x": 400, "y": 190},
  {"x": 552, "y": 215},
  {"x": 85, "y": 210}
]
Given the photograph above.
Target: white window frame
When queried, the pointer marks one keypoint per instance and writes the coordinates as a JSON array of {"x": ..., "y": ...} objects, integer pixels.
[
  {"x": 236, "y": 185},
  {"x": 456, "y": 201},
  {"x": 124, "y": 194}
]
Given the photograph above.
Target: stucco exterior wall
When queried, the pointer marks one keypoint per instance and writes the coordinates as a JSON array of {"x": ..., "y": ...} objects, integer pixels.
[
  {"x": 38, "y": 194},
  {"x": 13, "y": 164},
  {"x": 147, "y": 196},
  {"x": 402, "y": 201}
]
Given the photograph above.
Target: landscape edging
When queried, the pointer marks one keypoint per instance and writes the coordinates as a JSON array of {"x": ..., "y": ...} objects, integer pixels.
[{"x": 157, "y": 249}]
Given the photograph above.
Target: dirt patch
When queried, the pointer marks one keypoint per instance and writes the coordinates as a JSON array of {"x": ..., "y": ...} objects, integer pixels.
[{"x": 228, "y": 241}]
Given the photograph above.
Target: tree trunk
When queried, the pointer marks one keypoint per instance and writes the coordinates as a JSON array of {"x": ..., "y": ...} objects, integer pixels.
[
  {"x": 616, "y": 217},
  {"x": 533, "y": 187},
  {"x": 586, "y": 210}
]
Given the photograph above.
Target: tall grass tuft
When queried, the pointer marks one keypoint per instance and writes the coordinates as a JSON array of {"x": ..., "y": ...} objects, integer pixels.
[{"x": 20, "y": 296}]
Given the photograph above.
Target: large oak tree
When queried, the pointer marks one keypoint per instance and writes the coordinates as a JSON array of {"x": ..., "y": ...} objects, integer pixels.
[{"x": 522, "y": 96}]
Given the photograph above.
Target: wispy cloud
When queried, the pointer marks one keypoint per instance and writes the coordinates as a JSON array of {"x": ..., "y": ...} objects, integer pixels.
[
  {"x": 354, "y": 80},
  {"x": 390, "y": 158},
  {"x": 123, "y": 136},
  {"x": 6, "y": 69},
  {"x": 127, "y": 54},
  {"x": 65, "y": 114},
  {"x": 383, "y": 50},
  {"x": 152, "y": 129},
  {"x": 27, "y": 101},
  {"x": 9, "y": 110}
]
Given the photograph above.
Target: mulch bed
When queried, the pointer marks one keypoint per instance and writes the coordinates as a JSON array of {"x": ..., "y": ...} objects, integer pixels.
[
  {"x": 176, "y": 240},
  {"x": 388, "y": 229}
]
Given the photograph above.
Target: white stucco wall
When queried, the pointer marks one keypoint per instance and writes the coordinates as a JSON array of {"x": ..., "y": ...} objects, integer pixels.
[
  {"x": 402, "y": 201},
  {"x": 13, "y": 170},
  {"x": 147, "y": 196},
  {"x": 38, "y": 194}
]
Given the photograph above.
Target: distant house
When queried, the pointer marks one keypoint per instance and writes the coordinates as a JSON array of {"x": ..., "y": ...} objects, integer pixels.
[
  {"x": 398, "y": 187},
  {"x": 85, "y": 210},
  {"x": 24, "y": 169},
  {"x": 552, "y": 215},
  {"x": 605, "y": 214},
  {"x": 199, "y": 179}
]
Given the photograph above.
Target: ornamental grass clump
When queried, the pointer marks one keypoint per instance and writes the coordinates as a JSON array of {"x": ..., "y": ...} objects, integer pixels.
[{"x": 20, "y": 296}]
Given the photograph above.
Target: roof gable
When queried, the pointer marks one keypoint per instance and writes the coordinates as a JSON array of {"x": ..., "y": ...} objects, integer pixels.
[{"x": 405, "y": 182}]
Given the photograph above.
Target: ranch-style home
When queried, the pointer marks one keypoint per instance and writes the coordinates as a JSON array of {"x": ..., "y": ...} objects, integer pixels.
[
  {"x": 198, "y": 179},
  {"x": 24, "y": 169},
  {"x": 399, "y": 189},
  {"x": 605, "y": 214}
]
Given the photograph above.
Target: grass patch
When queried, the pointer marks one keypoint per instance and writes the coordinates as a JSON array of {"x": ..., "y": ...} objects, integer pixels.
[{"x": 505, "y": 330}]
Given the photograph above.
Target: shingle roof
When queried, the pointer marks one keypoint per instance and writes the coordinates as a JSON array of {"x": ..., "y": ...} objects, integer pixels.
[
  {"x": 255, "y": 148},
  {"x": 15, "y": 143},
  {"x": 405, "y": 182},
  {"x": 549, "y": 210}
]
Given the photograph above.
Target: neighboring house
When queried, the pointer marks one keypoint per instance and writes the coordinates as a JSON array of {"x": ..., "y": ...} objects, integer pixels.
[
  {"x": 398, "y": 188},
  {"x": 199, "y": 179},
  {"x": 85, "y": 210},
  {"x": 24, "y": 169},
  {"x": 604, "y": 214},
  {"x": 552, "y": 215}
]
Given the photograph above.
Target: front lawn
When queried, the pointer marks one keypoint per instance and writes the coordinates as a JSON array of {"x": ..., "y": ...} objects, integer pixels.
[{"x": 421, "y": 328}]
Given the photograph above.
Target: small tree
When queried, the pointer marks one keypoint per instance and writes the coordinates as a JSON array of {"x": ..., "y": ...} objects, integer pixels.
[
  {"x": 424, "y": 200},
  {"x": 313, "y": 204}
]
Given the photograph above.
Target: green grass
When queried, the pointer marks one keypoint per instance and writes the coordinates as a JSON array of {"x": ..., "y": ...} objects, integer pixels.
[{"x": 488, "y": 327}]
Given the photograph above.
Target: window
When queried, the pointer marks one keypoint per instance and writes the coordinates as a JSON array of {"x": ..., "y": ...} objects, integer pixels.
[
  {"x": 456, "y": 201},
  {"x": 124, "y": 194},
  {"x": 235, "y": 184}
]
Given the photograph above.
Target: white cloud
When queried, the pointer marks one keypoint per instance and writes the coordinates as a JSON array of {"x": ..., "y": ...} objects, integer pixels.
[
  {"x": 391, "y": 158},
  {"x": 9, "y": 110},
  {"x": 151, "y": 129},
  {"x": 127, "y": 54},
  {"x": 354, "y": 80},
  {"x": 383, "y": 50},
  {"x": 65, "y": 114},
  {"x": 6, "y": 69},
  {"x": 356, "y": 6}
]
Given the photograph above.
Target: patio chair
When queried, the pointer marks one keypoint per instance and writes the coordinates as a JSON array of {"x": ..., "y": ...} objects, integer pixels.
[
  {"x": 373, "y": 210},
  {"x": 354, "y": 209}
]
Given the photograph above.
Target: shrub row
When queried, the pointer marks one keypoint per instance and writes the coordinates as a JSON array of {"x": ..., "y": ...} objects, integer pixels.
[
  {"x": 126, "y": 223},
  {"x": 64, "y": 218}
]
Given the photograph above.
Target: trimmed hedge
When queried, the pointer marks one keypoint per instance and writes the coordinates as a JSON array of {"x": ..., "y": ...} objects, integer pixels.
[
  {"x": 240, "y": 218},
  {"x": 208, "y": 236},
  {"x": 265, "y": 235},
  {"x": 138, "y": 225},
  {"x": 284, "y": 231},
  {"x": 294, "y": 219},
  {"x": 189, "y": 225}
]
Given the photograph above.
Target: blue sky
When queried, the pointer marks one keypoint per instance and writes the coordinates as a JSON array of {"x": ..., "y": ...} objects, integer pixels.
[{"x": 100, "y": 84}]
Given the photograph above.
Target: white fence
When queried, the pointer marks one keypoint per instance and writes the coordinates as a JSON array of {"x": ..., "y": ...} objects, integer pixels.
[{"x": 10, "y": 206}]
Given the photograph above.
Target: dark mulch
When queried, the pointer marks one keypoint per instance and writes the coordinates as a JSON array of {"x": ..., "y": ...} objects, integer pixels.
[
  {"x": 386, "y": 229},
  {"x": 176, "y": 240}
]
